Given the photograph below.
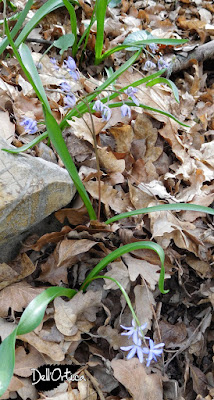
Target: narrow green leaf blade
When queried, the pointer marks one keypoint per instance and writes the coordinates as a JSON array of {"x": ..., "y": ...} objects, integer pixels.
[
  {"x": 162, "y": 207},
  {"x": 55, "y": 135},
  {"x": 126, "y": 249},
  {"x": 101, "y": 6},
  {"x": 167, "y": 82},
  {"x": 7, "y": 357},
  {"x": 34, "y": 313},
  {"x": 28, "y": 62}
]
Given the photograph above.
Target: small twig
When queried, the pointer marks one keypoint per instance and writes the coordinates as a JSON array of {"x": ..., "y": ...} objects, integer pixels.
[{"x": 40, "y": 41}]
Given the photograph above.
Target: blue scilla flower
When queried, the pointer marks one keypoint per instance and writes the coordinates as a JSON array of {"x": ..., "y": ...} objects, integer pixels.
[
  {"x": 134, "y": 331},
  {"x": 131, "y": 93},
  {"x": 149, "y": 65},
  {"x": 65, "y": 87},
  {"x": 125, "y": 110},
  {"x": 30, "y": 125},
  {"x": 54, "y": 62},
  {"x": 153, "y": 351},
  {"x": 153, "y": 47},
  {"x": 70, "y": 101},
  {"x": 98, "y": 106},
  {"x": 162, "y": 63},
  {"x": 106, "y": 113},
  {"x": 134, "y": 349},
  {"x": 72, "y": 68}
]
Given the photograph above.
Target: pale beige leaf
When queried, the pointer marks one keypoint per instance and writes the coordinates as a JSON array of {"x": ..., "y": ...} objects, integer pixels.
[
  {"x": 144, "y": 304},
  {"x": 81, "y": 308},
  {"x": 132, "y": 374},
  {"x": 120, "y": 273},
  {"x": 52, "y": 349},
  {"x": 17, "y": 296},
  {"x": 109, "y": 161},
  {"x": 148, "y": 271},
  {"x": 25, "y": 361},
  {"x": 70, "y": 249},
  {"x": 7, "y": 127}
]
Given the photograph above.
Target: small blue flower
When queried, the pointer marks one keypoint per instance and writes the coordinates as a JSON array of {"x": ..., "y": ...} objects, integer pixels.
[
  {"x": 98, "y": 106},
  {"x": 153, "y": 351},
  {"x": 134, "y": 331},
  {"x": 70, "y": 101},
  {"x": 106, "y": 113},
  {"x": 125, "y": 111},
  {"x": 153, "y": 47},
  {"x": 162, "y": 63},
  {"x": 65, "y": 87},
  {"x": 149, "y": 65},
  {"x": 131, "y": 93},
  {"x": 133, "y": 349},
  {"x": 70, "y": 64},
  {"x": 72, "y": 68},
  {"x": 54, "y": 62},
  {"x": 30, "y": 125}
]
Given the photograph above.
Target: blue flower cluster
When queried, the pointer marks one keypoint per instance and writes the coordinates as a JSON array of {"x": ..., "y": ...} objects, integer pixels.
[
  {"x": 152, "y": 350},
  {"x": 30, "y": 125},
  {"x": 125, "y": 110}
]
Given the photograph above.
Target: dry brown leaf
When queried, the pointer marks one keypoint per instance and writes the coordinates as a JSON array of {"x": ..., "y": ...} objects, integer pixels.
[
  {"x": 172, "y": 335},
  {"x": 119, "y": 272},
  {"x": 17, "y": 296},
  {"x": 15, "y": 384},
  {"x": 53, "y": 237},
  {"x": 27, "y": 391},
  {"x": 148, "y": 271},
  {"x": 144, "y": 303},
  {"x": 77, "y": 314},
  {"x": 199, "y": 381},
  {"x": 75, "y": 216},
  {"x": 6, "y": 328},
  {"x": 25, "y": 361},
  {"x": 202, "y": 268},
  {"x": 53, "y": 350},
  {"x": 50, "y": 273},
  {"x": 132, "y": 374},
  {"x": 18, "y": 269},
  {"x": 117, "y": 200},
  {"x": 123, "y": 136},
  {"x": 7, "y": 127},
  {"x": 139, "y": 198},
  {"x": 109, "y": 161},
  {"x": 83, "y": 130},
  {"x": 70, "y": 250},
  {"x": 143, "y": 129}
]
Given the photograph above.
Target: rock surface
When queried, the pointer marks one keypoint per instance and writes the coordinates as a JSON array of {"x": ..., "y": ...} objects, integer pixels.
[{"x": 30, "y": 190}]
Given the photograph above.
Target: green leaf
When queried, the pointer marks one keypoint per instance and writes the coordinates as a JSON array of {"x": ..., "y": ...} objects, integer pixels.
[
  {"x": 29, "y": 65},
  {"x": 17, "y": 27},
  {"x": 45, "y": 9},
  {"x": 125, "y": 249},
  {"x": 162, "y": 207},
  {"x": 34, "y": 313},
  {"x": 101, "y": 6},
  {"x": 73, "y": 22},
  {"x": 30, "y": 319},
  {"x": 137, "y": 36},
  {"x": 7, "y": 357},
  {"x": 55, "y": 135},
  {"x": 114, "y": 3},
  {"x": 167, "y": 82},
  {"x": 64, "y": 42}
]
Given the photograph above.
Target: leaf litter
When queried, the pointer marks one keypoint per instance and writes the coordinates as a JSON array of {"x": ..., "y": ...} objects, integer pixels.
[{"x": 145, "y": 160}]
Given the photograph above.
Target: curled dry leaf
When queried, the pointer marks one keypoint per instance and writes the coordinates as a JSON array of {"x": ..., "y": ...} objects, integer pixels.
[
  {"x": 148, "y": 271},
  {"x": 53, "y": 237},
  {"x": 78, "y": 314},
  {"x": 109, "y": 161},
  {"x": 172, "y": 334},
  {"x": 119, "y": 272},
  {"x": 132, "y": 374},
  {"x": 17, "y": 297},
  {"x": 51, "y": 349},
  {"x": 144, "y": 303},
  {"x": 18, "y": 269},
  {"x": 25, "y": 361}
]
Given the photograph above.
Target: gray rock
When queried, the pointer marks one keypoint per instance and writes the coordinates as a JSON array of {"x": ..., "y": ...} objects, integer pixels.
[{"x": 30, "y": 190}]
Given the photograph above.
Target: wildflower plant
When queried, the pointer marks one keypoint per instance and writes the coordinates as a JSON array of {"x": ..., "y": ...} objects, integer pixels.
[{"x": 34, "y": 312}]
